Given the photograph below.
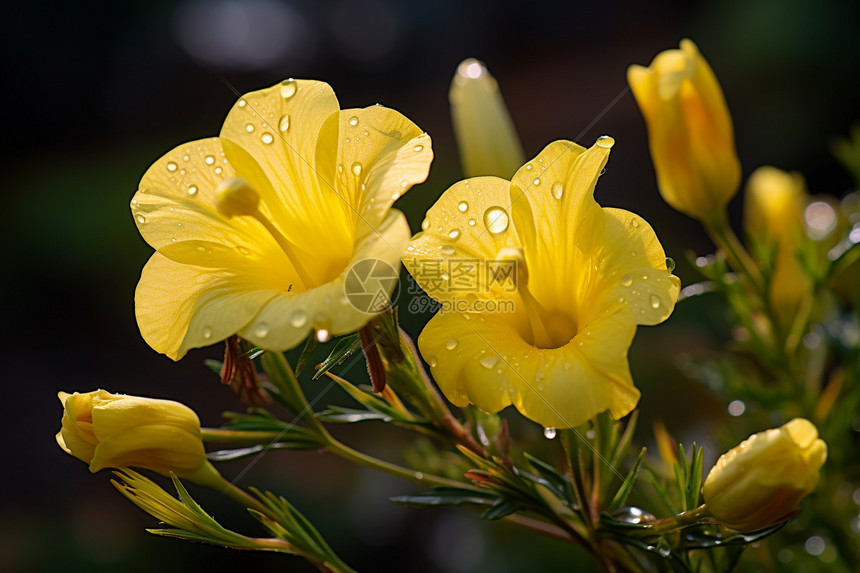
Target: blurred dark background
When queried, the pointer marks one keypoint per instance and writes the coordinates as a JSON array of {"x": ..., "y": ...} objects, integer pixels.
[{"x": 96, "y": 91}]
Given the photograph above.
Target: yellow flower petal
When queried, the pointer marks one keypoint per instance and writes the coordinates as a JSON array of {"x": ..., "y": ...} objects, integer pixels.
[
  {"x": 180, "y": 306},
  {"x": 469, "y": 224},
  {"x": 287, "y": 319},
  {"x": 481, "y": 359},
  {"x": 151, "y": 446}
]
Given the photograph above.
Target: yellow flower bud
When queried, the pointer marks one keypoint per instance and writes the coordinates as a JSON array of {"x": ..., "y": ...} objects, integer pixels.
[
  {"x": 486, "y": 136},
  {"x": 113, "y": 430},
  {"x": 773, "y": 214},
  {"x": 760, "y": 481},
  {"x": 690, "y": 131}
]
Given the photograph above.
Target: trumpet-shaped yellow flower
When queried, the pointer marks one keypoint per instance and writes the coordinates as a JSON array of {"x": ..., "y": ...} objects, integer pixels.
[
  {"x": 112, "y": 430},
  {"x": 486, "y": 137},
  {"x": 773, "y": 215},
  {"x": 542, "y": 289},
  {"x": 256, "y": 230},
  {"x": 756, "y": 483},
  {"x": 690, "y": 131}
]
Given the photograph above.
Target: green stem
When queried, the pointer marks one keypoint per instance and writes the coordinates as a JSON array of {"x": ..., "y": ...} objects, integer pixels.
[
  {"x": 246, "y": 437},
  {"x": 678, "y": 521},
  {"x": 724, "y": 237},
  {"x": 281, "y": 546}
]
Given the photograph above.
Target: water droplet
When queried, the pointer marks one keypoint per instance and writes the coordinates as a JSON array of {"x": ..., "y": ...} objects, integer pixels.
[
  {"x": 134, "y": 201},
  {"x": 557, "y": 189},
  {"x": 471, "y": 222},
  {"x": 288, "y": 88},
  {"x": 417, "y": 148},
  {"x": 634, "y": 223},
  {"x": 249, "y": 127},
  {"x": 267, "y": 138},
  {"x": 489, "y": 361},
  {"x": 496, "y": 220},
  {"x": 425, "y": 224},
  {"x": 141, "y": 219},
  {"x": 218, "y": 171},
  {"x": 431, "y": 360},
  {"x": 404, "y": 183},
  {"x": 670, "y": 264},
  {"x": 284, "y": 123},
  {"x": 627, "y": 280},
  {"x": 299, "y": 319},
  {"x": 209, "y": 160},
  {"x": 447, "y": 250},
  {"x": 261, "y": 329},
  {"x": 536, "y": 182},
  {"x": 605, "y": 142},
  {"x": 454, "y": 234},
  {"x": 655, "y": 301},
  {"x": 207, "y": 332},
  {"x": 452, "y": 344},
  {"x": 549, "y": 433},
  {"x": 353, "y": 121},
  {"x": 171, "y": 166},
  {"x": 356, "y": 168},
  {"x": 529, "y": 167},
  {"x": 347, "y": 140},
  {"x": 323, "y": 335},
  {"x": 242, "y": 103},
  {"x": 463, "y": 206}
]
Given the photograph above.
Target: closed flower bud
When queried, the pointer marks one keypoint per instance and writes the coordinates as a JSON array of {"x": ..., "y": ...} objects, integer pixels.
[
  {"x": 773, "y": 216},
  {"x": 486, "y": 137},
  {"x": 113, "y": 430},
  {"x": 690, "y": 131},
  {"x": 760, "y": 481}
]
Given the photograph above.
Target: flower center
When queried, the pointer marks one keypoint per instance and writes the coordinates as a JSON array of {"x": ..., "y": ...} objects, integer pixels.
[
  {"x": 547, "y": 328},
  {"x": 235, "y": 197}
]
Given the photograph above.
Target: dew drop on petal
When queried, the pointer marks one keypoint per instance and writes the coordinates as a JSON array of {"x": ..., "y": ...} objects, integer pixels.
[
  {"x": 655, "y": 301},
  {"x": 261, "y": 329},
  {"x": 418, "y": 148},
  {"x": 489, "y": 361},
  {"x": 431, "y": 360},
  {"x": 209, "y": 160},
  {"x": 299, "y": 319},
  {"x": 141, "y": 219},
  {"x": 452, "y": 344},
  {"x": 605, "y": 142},
  {"x": 425, "y": 224},
  {"x": 267, "y": 138},
  {"x": 288, "y": 88},
  {"x": 284, "y": 123},
  {"x": 634, "y": 223},
  {"x": 627, "y": 280},
  {"x": 447, "y": 250},
  {"x": 249, "y": 127},
  {"x": 454, "y": 234},
  {"x": 356, "y": 168},
  {"x": 549, "y": 433},
  {"x": 207, "y": 332},
  {"x": 471, "y": 222},
  {"x": 463, "y": 206},
  {"x": 557, "y": 189},
  {"x": 536, "y": 182},
  {"x": 171, "y": 166},
  {"x": 323, "y": 335},
  {"x": 670, "y": 264},
  {"x": 496, "y": 220},
  {"x": 218, "y": 170},
  {"x": 353, "y": 121}
]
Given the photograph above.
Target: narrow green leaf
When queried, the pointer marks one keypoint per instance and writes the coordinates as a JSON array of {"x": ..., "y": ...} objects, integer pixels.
[
  {"x": 345, "y": 347},
  {"x": 502, "y": 508},
  {"x": 310, "y": 345},
  {"x": 214, "y": 365},
  {"x": 440, "y": 496},
  {"x": 552, "y": 479},
  {"x": 624, "y": 490}
]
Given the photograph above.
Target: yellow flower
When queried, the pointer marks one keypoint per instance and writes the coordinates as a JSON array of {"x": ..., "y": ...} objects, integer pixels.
[
  {"x": 486, "y": 136},
  {"x": 112, "y": 430},
  {"x": 760, "y": 481},
  {"x": 690, "y": 131},
  {"x": 256, "y": 230},
  {"x": 773, "y": 215},
  {"x": 541, "y": 288}
]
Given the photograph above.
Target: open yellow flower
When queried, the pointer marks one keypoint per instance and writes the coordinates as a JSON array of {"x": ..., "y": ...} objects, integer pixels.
[
  {"x": 255, "y": 231},
  {"x": 689, "y": 130},
  {"x": 551, "y": 335}
]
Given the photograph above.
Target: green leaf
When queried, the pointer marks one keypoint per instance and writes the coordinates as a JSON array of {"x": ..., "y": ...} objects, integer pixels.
[
  {"x": 708, "y": 536},
  {"x": 694, "y": 483},
  {"x": 624, "y": 491},
  {"x": 310, "y": 345},
  {"x": 441, "y": 496},
  {"x": 501, "y": 508},
  {"x": 345, "y": 347},
  {"x": 214, "y": 365},
  {"x": 239, "y": 453},
  {"x": 552, "y": 479},
  {"x": 339, "y": 415}
]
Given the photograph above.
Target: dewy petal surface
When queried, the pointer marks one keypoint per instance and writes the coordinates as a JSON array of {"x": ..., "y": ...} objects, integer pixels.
[
  {"x": 273, "y": 270},
  {"x": 590, "y": 275}
]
